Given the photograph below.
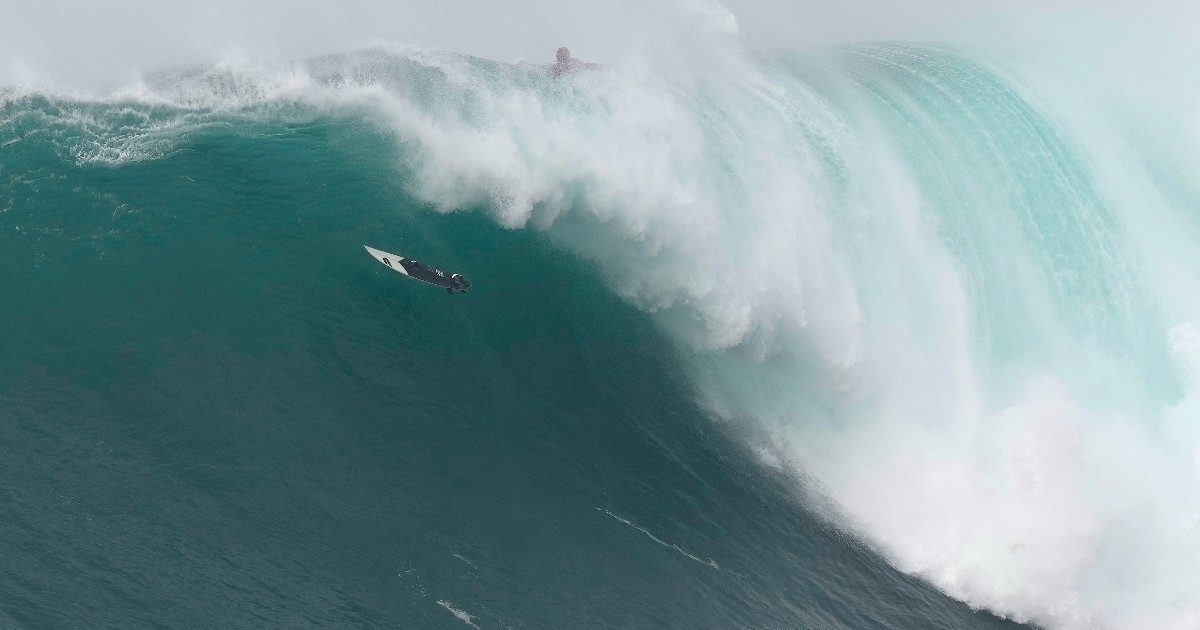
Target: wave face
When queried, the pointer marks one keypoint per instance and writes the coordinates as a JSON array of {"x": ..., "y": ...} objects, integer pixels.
[{"x": 934, "y": 301}]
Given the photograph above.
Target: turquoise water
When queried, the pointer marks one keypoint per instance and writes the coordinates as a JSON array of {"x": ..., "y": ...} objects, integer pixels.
[{"x": 796, "y": 351}]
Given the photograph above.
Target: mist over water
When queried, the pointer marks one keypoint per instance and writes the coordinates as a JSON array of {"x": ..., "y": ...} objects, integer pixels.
[{"x": 948, "y": 289}]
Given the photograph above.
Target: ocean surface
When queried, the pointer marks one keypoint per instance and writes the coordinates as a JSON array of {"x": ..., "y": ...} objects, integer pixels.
[{"x": 877, "y": 336}]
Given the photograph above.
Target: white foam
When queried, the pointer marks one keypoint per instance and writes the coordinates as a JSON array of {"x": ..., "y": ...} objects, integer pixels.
[{"x": 462, "y": 616}]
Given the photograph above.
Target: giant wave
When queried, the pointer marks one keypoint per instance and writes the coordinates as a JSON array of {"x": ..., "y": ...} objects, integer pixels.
[{"x": 953, "y": 299}]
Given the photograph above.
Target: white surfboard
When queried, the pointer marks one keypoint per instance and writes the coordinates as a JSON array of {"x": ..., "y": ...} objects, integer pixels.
[{"x": 393, "y": 261}]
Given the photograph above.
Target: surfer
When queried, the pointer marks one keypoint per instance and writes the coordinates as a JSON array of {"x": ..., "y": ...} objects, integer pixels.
[
  {"x": 418, "y": 271},
  {"x": 567, "y": 64}
]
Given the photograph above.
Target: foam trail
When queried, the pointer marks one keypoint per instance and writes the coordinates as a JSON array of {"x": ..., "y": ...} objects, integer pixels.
[
  {"x": 462, "y": 616},
  {"x": 709, "y": 562}
]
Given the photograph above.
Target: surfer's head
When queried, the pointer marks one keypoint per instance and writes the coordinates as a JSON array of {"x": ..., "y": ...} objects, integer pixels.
[{"x": 563, "y": 54}]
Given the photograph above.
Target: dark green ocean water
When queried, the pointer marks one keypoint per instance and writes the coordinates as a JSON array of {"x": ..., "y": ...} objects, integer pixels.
[{"x": 217, "y": 411}]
